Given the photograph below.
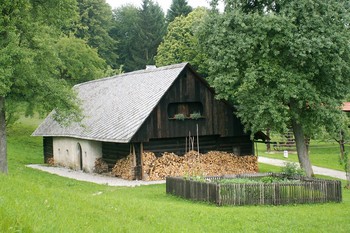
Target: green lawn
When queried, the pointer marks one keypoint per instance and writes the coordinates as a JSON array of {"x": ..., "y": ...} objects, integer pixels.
[
  {"x": 322, "y": 154},
  {"x": 34, "y": 201}
]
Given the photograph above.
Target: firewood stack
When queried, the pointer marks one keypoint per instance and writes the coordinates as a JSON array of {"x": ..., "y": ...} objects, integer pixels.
[
  {"x": 214, "y": 163},
  {"x": 101, "y": 166},
  {"x": 124, "y": 168},
  {"x": 51, "y": 162}
]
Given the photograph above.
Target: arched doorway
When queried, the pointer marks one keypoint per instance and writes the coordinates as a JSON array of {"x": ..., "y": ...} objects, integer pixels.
[{"x": 80, "y": 156}]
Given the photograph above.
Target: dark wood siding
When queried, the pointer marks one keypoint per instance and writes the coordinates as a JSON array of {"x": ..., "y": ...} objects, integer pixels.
[
  {"x": 218, "y": 128},
  {"x": 111, "y": 152},
  {"x": 179, "y": 146},
  {"x": 48, "y": 148},
  {"x": 218, "y": 117}
]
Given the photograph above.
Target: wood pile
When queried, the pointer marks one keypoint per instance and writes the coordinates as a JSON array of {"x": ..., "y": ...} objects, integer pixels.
[
  {"x": 214, "y": 163},
  {"x": 124, "y": 168},
  {"x": 51, "y": 162},
  {"x": 100, "y": 166}
]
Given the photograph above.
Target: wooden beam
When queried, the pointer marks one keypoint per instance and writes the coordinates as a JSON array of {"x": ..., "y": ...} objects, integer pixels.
[{"x": 138, "y": 150}]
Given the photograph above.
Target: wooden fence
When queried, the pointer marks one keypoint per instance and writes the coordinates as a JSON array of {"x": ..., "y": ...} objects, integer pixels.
[{"x": 306, "y": 190}]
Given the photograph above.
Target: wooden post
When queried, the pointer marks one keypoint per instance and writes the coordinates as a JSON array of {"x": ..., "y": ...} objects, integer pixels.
[
  {"x": 138, "y": 150},
  {"x": 197, "y": 140},
  {"x": 141, "y": 166}
]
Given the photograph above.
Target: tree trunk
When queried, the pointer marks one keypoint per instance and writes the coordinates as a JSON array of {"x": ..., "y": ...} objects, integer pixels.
[
  {"x": 302, "y": 151},
  {"x": 3, "y": 145},
  {"x": 348, "y": 175},
  {"x": 268, "y": 144},
  {"x": 341, "y": 145}
]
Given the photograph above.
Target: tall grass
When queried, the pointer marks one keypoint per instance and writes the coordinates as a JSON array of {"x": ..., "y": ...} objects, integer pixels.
[{"x": 35, "y": 201}]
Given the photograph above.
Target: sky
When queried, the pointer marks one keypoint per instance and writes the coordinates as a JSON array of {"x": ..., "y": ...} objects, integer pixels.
[{"x": 165, "y": 4}]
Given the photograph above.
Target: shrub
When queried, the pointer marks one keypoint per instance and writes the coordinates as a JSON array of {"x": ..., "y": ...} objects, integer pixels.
[
  {"x": 195, "y": 115},
  {"x": 292, "y": 169},
  {"x": 179, "y": 116}
]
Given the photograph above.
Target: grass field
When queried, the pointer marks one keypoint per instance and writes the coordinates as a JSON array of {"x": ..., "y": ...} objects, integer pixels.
[
  {"x": 34, "y": 201},
  {"x": 322, "y": 154}
]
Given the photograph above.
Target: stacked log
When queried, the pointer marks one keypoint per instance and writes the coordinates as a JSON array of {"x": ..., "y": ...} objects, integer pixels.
[
  {"x": 51, "y": 162},
  {"x": 100, "y": 166},
  {"x": 214, "y": 163},
  {"x": 124, "y": 168}
]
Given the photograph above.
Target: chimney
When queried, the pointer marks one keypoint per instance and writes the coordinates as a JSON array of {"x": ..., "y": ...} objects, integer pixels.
[{"x": 151, "y": 67}]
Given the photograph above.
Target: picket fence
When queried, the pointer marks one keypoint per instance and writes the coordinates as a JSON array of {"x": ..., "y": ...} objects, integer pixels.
[{"x": 301, "y": 190}]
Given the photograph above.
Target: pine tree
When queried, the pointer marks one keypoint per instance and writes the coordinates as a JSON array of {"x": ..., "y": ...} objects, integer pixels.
[
  {"x": 151, "y": 29},
  {"x": 94, "y": 27},
  {"x": 178, "y": 8}
]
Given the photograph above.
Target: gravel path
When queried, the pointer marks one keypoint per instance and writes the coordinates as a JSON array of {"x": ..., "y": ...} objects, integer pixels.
[
  {"x": 114, "y": 181},
  {"x": 92, "y": 177},
  {"x": 317, "y": 170}
]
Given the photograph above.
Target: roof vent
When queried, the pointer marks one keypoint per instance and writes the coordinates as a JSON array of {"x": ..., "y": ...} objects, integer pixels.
[{"x": 151, "y": 67}]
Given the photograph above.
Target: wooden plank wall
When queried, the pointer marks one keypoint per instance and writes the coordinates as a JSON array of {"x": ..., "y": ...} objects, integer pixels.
[
  {"x": 218, "y": 118},
  {"x": 111, "y": 152},
  {"x": 237, "y": 145}
]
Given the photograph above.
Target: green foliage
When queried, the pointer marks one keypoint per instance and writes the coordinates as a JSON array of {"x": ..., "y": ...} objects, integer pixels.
[
  {"x": 28, "y": 66},
  {"x": 195, "y": 115},
  {"x": 181, "y": 44},
  {"x": 125, "y": 26},
  {"x": 151, "y": 29},
  {"x": 178, "y": 8},
  {"x": 29, "y": 69},
  {"x": 79, "y": 62},
  {"x": 237, "y": 181},
  {"x": 297, "y": 50},
  {"x": 142, "y": 30},
  {"x": 293, "y": 55},
  {"x": 59, "y": 14},
  {"x": 180, "y": 117},
  {"x": 292, "y": 169},
  {"x": 94, "y": 26}
]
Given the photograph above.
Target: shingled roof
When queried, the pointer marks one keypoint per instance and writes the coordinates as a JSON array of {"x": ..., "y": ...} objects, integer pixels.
[{"x": 114, "y": 108}]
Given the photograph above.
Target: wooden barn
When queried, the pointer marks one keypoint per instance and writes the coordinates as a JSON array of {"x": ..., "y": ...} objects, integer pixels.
[{"x": 155, "y": 109}]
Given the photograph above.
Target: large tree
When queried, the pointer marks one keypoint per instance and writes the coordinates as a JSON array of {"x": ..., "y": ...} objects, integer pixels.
[
  {"x": 180, "y": 44},
  {"x": 282, "y": 63},
  {"x": 178, "y": 8},
  {"x": 125, "y": 30},
  {"x": 94, "y": 26},
  {"x": 140, "y": 31},
  {"x": 151, "y": 29},
  {"x": 78, "y": 61},
  {"x": 37, "y": 65}
]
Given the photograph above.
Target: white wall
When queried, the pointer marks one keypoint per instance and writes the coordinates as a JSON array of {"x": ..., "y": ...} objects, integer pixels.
[{"x": 66, "y": 153}]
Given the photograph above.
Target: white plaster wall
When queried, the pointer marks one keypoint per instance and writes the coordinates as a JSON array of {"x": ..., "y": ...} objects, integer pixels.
[{"x": 66, "y": 153}]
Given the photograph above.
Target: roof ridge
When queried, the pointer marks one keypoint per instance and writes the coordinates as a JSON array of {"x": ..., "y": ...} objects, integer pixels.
[{"x": 144, "y": 71}]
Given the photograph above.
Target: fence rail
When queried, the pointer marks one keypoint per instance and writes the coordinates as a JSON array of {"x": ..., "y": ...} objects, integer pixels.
[{"x": 306, "y": 190}]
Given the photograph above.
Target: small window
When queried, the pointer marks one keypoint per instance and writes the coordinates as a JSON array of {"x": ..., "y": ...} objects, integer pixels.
[{"x": 186, "y": 109}]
